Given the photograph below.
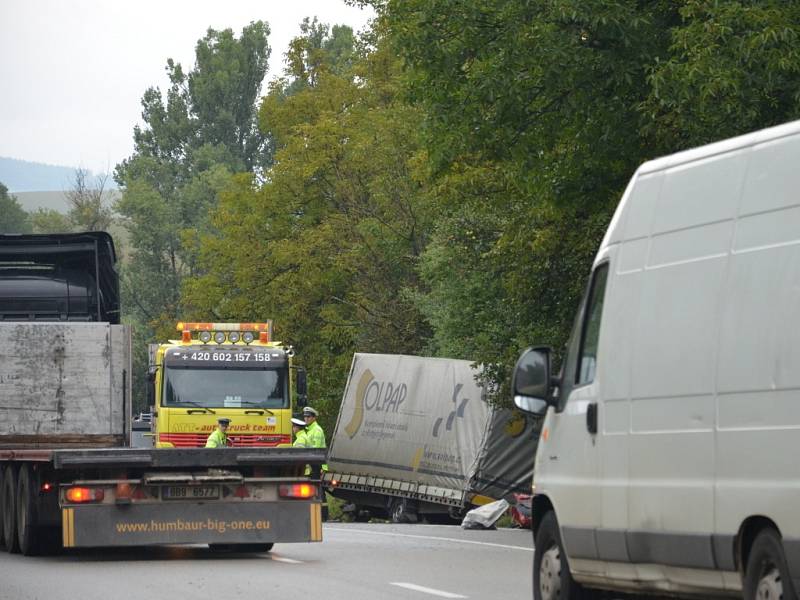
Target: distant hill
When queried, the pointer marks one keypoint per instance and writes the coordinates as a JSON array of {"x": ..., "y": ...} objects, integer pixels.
[
  {"x": 24, "y": 176},
  {"x": 32, "y": 201}
]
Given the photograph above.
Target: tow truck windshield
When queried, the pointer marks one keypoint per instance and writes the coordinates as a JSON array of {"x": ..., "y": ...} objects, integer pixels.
[{"x": 226, "y": 388}]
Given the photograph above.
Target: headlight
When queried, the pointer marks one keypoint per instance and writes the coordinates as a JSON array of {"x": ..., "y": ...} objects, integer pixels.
[
  {"x": 233, "y": 337},
  {"x": 219, "y": 337},
  {"x": 205, "y": 336},
  {"x": 248, "y": 337}
]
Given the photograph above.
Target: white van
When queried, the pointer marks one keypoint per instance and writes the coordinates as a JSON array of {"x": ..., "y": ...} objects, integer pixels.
[{"x": 669, "y": 459}]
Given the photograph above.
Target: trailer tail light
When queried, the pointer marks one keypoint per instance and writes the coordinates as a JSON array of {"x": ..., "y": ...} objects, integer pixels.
[
  {"x": 297, "y": 490},
  {"x": 46, "y": 487},
  {"x": 81, "y": 495}
]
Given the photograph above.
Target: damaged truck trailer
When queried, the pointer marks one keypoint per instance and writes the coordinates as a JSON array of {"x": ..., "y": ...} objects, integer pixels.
[
  {"x": 417, "y": 438},
  {"x": 67, "y": 471}
]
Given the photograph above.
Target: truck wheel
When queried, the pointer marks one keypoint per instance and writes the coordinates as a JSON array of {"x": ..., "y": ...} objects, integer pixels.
[
  {"x": 9, "y": 510},
  {"x": 400, "y": 511},
  {"x": 240, "y": 547},
  {"x": 253, "y": 547},
  {"x": 767, "y": 576},
  {"x": 551, "y": 577},
  {"x": 27, "y": 519}
]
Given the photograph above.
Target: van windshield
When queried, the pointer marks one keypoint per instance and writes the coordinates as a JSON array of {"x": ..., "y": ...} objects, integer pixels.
[{"x": 226, "y": 388}]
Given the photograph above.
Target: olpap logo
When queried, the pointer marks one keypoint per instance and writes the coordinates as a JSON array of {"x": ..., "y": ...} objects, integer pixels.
[{"x": 377, "y": 396}]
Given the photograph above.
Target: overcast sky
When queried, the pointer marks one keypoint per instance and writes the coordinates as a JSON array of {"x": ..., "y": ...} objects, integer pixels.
[{"x": 72, "y": 73}]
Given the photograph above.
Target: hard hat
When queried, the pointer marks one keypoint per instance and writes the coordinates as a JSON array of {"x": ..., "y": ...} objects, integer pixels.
[
  {"x": 309, "y": 412},
  {"x": 298, "y": 422}
]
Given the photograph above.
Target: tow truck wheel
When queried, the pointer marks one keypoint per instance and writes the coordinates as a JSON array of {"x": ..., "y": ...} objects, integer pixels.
[
  {"x": 9, "y": 510},
  {"x": 27, "y": 518}
]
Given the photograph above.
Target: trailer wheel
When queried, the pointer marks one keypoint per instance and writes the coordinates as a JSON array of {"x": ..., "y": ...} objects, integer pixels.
[
  {"x": 767, "y": 574},
  {"x": 9, "y": 510},
  {"x": 401, "y": 511},
  {"x": 27, "y": 518}
]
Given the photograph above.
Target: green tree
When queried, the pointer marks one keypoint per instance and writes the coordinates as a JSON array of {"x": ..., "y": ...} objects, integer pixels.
[
  {"x": 88, "y": 201},
  {"x": 48, "y": 220},
  {"x": 13, "y": 218},
  {"x": 203, "y": 129},
  {"x": 733, "y": 67},
  {"x": 183, "y": 156},
  {"x": 532, "y": 126},
  {"x": 328, "y": 246}
]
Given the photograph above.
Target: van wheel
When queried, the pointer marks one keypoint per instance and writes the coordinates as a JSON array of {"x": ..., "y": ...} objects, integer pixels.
[
  {"x": 551, "y": 577},
  {"x": 767, "y": 576},
  {"x": 9, "y": 510},
  {"x": 27, "y": 519}
]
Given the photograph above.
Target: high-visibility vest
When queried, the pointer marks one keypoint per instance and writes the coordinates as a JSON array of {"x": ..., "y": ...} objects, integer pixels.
[
  {"x": 316, "y": 436},
  {"x": 301, "y": 440},
  {"x": 217, "y": 439}
]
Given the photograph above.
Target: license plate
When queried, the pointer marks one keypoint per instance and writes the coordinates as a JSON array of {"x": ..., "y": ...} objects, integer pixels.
[{"x": 190, "y": 492}]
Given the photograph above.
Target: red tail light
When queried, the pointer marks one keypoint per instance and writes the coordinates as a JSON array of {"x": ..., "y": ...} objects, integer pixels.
[
  {"x": 80, "y": 495},
  {"x": 297, "y": 490},
  {"x": 46, "y": 487}
]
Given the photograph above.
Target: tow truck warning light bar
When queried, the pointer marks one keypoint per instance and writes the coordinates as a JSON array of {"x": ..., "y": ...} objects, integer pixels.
[{"x": 232, "y": 332}]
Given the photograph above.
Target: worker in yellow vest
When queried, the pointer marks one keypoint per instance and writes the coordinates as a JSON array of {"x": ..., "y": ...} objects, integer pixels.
[
  {"x": 316, "y": 439},
  {"x": 315, "y": 434},
  {"x": 300, "y": 434},
  {"x": 219, "y": 437}
]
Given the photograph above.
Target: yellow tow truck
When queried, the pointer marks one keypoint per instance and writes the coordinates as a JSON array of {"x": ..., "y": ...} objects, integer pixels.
[{"x": 232, "y": 370}]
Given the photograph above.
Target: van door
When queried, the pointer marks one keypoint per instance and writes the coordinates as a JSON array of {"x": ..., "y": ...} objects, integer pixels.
[{"x": 567, "y": 467}]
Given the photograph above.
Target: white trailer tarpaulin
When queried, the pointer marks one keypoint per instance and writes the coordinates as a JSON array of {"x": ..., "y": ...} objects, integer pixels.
[{"x": 426, "y": 421}]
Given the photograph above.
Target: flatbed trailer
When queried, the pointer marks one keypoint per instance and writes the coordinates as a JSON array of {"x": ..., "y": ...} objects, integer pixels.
[
  {"x": 241, "y": 498},
  {"x": 67, "y": 468}
]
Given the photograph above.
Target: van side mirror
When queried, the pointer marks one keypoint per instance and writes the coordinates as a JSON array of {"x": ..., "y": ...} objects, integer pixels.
[
  {"x": 531, "y": 381},
  {"x": 302, "y": 387}
]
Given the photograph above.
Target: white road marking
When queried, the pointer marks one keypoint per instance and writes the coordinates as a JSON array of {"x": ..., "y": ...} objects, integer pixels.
[
  {"x": 427, "y": 590},
  {"x": 428, "y": 537},
  {"x": 290, "y": 561}
]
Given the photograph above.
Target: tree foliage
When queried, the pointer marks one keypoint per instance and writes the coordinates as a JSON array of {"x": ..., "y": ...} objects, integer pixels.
[
  {"x": 439, "y": 185},
  {"x": 535, "y": 116},
  {"x": 13, "y": 218},
  {"x": 89, "y": 208},
  {"x": 191, "y": 143},
  {"x": 732, "y": 67},
  {"x": 195, "y": 136},
  {"x": 329, "y": 245}
]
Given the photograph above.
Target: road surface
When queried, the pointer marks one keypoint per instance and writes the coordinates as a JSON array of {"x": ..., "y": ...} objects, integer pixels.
[{"x": 355, "y": 562}]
